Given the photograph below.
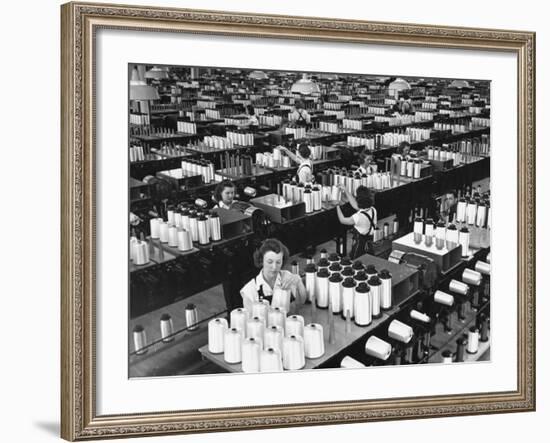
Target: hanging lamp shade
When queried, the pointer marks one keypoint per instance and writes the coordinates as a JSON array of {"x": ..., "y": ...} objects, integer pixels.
[
  {"x": 139, "y": 90},
  {"x": 157, "y": 73},
  {"x": 398, "y": 85},
  {"x": 332, "y": 77},
  {"x": 258, "y": 75},
  {"x": 305, "y": 86},
  {"x": 459, "y": 84}
]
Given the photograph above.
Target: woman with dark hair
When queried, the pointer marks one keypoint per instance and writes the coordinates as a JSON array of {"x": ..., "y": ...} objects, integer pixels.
[
  {"x": 404, "y": 149},
  {"x": 449, "y": 203},
  {"x": 363, "y": 221},
  {"x": 279, "y": 287},
  {"x": 304, "y": 174},
  {"x": 252, "y": 119},
  {"x": 366, "y": 164},
  {"x": 224, "y": 194},
  {"x": 299, "y": 115}
]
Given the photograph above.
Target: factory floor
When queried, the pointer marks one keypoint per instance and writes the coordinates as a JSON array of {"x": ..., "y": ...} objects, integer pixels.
[{"x": 182, "y": 357}]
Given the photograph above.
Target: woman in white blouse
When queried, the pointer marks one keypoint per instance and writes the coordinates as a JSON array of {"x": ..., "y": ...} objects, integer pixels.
[
  {"x": 363, "y": 221},
  {"x": 304, "y": 174},
  {"x": 367, "y": 166},
  {"x": 279, "y": 287}
]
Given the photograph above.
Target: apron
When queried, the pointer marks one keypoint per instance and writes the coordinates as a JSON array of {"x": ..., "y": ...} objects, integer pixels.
[
  {"x": 362, "y": 243},
  {"x": 281, "y": 298},
  {"x": 301, "y": 121}
]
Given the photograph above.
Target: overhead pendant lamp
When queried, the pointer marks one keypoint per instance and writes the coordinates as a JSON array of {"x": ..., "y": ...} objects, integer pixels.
[
  {"x": 305, "y": 86},
  {"x": 139, "y": 90},
  {"x": 157, "y": 73},
  {"x": 397, "y": 86},
  {"x": 258, "y": 75},
  {"x": 459, "y": 84}
]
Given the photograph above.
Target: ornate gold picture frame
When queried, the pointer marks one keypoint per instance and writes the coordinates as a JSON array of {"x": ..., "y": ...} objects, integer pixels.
[{"x": 80, "y": 22}]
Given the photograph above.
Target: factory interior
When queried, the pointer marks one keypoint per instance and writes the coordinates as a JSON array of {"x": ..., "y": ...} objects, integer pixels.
[{"x": 283, "y": 221}]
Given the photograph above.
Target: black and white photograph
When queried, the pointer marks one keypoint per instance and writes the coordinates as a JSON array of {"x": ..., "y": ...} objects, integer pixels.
[{"x": 285, "y": 221}]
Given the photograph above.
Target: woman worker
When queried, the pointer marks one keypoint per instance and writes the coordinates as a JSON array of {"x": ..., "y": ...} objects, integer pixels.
[
  {"x": 404, "y": 149},
  {"x": 363, "y": 221},
  {"x": 449, "y": 204},
  {"x": 224, "y": 194},
  {"x": 304, "y": 174},
  {"x": 252, "y": 119},
  {"x": 279, "y": 287},
  {"x": 299, "y": 115},
  {"x": 366, "y": 166}
]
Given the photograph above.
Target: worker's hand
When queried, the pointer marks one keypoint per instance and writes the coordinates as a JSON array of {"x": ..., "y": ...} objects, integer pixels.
[
  {"x": 290, "y": 281},
  {"x": 344, "y": 197},
  {"x": 297, "y": 288}
]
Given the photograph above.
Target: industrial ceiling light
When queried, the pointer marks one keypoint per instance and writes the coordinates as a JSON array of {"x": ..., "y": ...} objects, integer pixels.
[
  {"x": 459, "y": 84},
  {"x": 258, "y": 75},
  {"x": 157, "y": 73},
  {"x": 398, "y": 85},
  {"x": 332, "y": 77},
  {"x": 305, "y": 86},
  {"x": 139, "y": 90}
]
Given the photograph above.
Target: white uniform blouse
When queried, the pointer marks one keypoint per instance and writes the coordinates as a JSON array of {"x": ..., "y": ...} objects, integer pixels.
[
  {"x": 222, "y": 205},
  {"x": 281, "y": 297},
  {"x": 362, "y": 223},
  {"x": 305, "y": 172}
]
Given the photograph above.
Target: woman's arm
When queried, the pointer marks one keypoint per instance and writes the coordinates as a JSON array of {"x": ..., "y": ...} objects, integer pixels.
[
  {"x": 344, "y": 220},
  {"x": 249, "y": 295},
  {"x": 291, "y": 154},
  {"x": 350, "y": 198},
  {"x": 302, "y": 293}
]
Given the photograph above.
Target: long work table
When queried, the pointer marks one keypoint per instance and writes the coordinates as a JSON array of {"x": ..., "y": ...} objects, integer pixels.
[{"x": 339, "y": 333}]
